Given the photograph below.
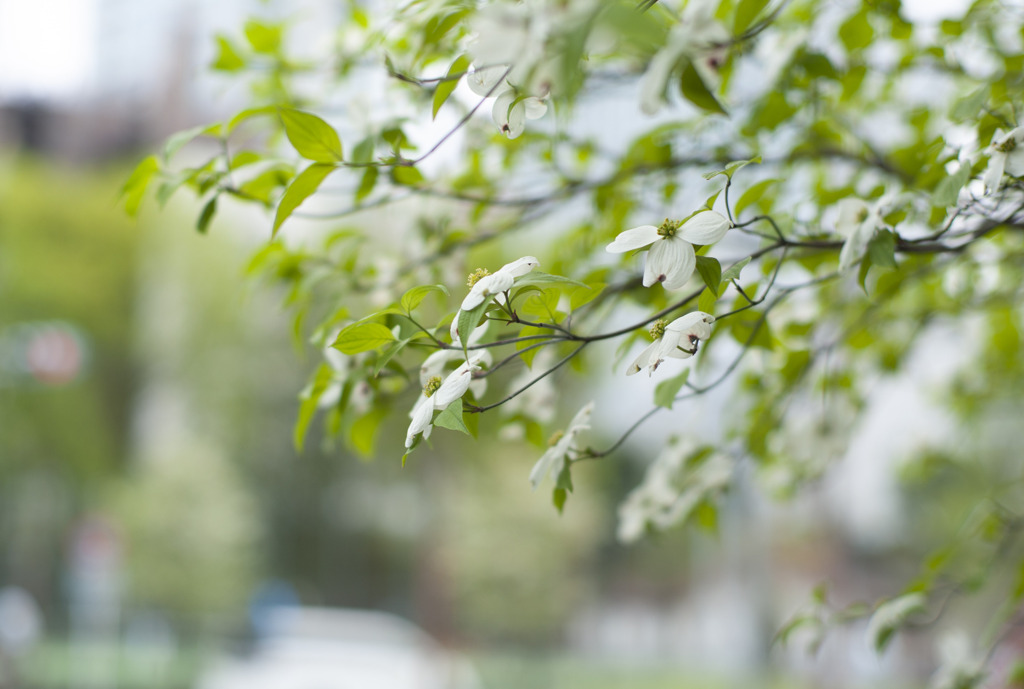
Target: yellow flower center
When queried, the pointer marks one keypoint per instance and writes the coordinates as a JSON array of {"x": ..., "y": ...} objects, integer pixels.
[
  {"x": 475, "y": 276},
  {"x": 657, "y": 330},
  {"x": 1008, "y": 145},
  {"x": 555, "y": 437},
  {"x": 432, "y": 385},
  {"x": 668, "y": 228}
]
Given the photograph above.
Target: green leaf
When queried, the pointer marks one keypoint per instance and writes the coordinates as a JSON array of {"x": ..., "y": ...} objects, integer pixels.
[
  {"x": 363, "y": 434},
  {"x": 362, "y": 337},
  {"x": 264, "y": 38},
  {"x": 367, "y": 183},
  {"x": 666, "y": 391},
  {"x": 468, "y": 320},
  {"x": 228, "y": 59},
  {"x": 538, "y": 278},
  {"x": 733, "y": 272},
  {"x": 882, "y": 249},
  {"x": 711, "y": 271},
  {"x": 406, "y": 175},
  {"x": 948, "y": 190},
  {"x": 310, "y": 398},
  {"x": 748, "y": 328},
  {"x": 176, "y": 141},
  {"x": 301, "y": 188},
  {"x": 445, "y": 88},
  {"x": 746, "y": 13},
  {"x": 135, "y": 188},
  {"x": 707, "y": 301},
  {"x": 311, "y": 136},
  {"x": 730, "y": 170},
  {"x": 248, "y": 114},
  {"x": 584, "y": 295},
  {"x": 451, "y": 418},
  {"x": 967, "y": 108},
  {"x": 415, "y": 296},
  {"x": 752, "y": 195},
  {"x": 558, "y": 498},
  {"x": 209, "y": 210},
  {"x": 697, "y": 92},
  {"x": 389, "y": 354},
  {"x": 856, "y": 33}
]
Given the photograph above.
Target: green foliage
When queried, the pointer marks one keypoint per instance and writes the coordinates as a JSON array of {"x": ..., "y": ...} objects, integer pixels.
[{"x": 924, "y": 217}]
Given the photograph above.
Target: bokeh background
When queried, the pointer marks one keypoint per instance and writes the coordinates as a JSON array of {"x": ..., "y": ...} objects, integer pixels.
[{"x": 153, "y": 507}]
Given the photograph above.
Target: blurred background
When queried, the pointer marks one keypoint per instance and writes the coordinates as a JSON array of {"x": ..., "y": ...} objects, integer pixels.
[{"x": 157, "y": 528}]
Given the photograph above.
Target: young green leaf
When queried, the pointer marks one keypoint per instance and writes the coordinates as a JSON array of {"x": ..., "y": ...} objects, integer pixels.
[
  {"x": 415, "y": 296},
  {"x": 746, "y": 13},
  {"x": 362, "y": 337},
  {"x": 451, "y": 80},
  {"x": 135, "y": 188},
  {"x": 752, "y": 195},
  {"x": 733, "y": 272},
  {"x": 711, "y": 272},
  {"x": 882, "y": 249},
  {"x": 209, "y": 210},
  {"x": 228, "y": 59},
  {"x": 451, "y": 418},
  {"x": 697, "y": 92},
  {"x": 666, "y": 391},
  {"x": 313, "y": 138},
  {"x": 301, "y": 188}
]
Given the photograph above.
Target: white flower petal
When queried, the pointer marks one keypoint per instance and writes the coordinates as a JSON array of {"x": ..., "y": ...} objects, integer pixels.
[
  {"x": 854, "y": 247},
  {"x": 707, "y": 227},
  {"x": 694, "y": 323},
  {"x": 435, "y": 363},
  {"x": 543, "y": 465},
  {"x": 455, "y": 385},
  {"x": 422, "y": 414},
  {"x": 520, "y": 266},
  {"x": 483, "y": 81},
  {"x": 535, "y": 108},
  {"x": 499, "y": 112},
  {"x": 644, "y": 359},
  {"x": 636, "y": 238},
  {"x": 670, "y": 262},
  {"x": 852, "y": 212},
  {"x": 993, "y": 176},
  {"x": 516, "y": 121}
]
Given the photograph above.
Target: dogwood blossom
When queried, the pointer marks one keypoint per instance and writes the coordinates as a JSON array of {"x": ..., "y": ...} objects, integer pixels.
[
  {"x": 1006, "y": 155},
  {"x": 698, "y": 37},
  {"x": 678, "y": 339},
  {"x": 675, "y": 483},
  {"x": 438, "y": 394},
  {"x": 553, "y": 460},
  {"x": 859, "y": 220},
  {"x": 672, "y": 259},
  {"x": 511, "y": 109},
  {"x": 484, "y": 285}
]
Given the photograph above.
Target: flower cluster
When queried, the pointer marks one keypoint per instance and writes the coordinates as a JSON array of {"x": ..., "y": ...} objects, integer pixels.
[
  {"x": 1006, "y": 155},
  {"x": 678, "y": 339},
  {"x": 484, "y": 285},
  {"x": 511, "y": 109},
  {"x": 554, "y": 459},
  {"x": 858, "y": 221},
  {"x": 671, "y": 260},
  {"x": 438, "y": 393}
]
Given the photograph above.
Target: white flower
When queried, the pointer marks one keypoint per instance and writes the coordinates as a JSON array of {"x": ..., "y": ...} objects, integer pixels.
[
  {"x": 485, "y": 285},
  {"x": 858, "y": 221},
  {"x": 699, "y": 37},
  {"x": 553, "y": 460},
  {"x": 672, "y": 259},
  {"x": 679, "y": 339},
  {"x": 511, "y": 109},
  {"x": 1006, "y": 155},
  {"x": 676, "y": 482},
  {"x": 438, "y": 394}
]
